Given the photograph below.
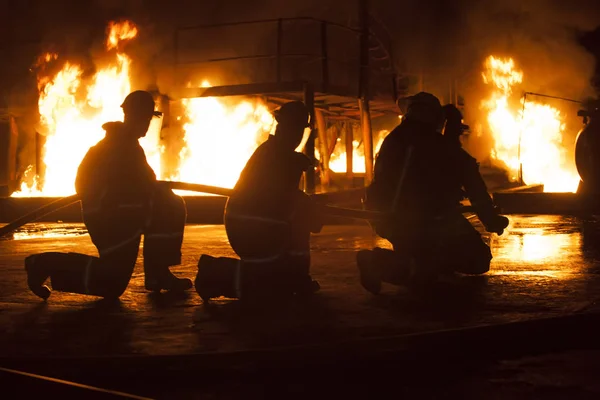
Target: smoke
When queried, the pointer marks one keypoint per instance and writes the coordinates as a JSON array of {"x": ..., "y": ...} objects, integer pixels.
[
  {"x": 193, "y": 47},
  {"x": 441, "y": 39},
  {"x": 451, "y": 39},
  {"x": 542, "y": 37}
]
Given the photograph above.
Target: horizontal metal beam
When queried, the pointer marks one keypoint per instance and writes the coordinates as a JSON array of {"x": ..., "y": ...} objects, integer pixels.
[
  {"x": 316, "y": 57},
  {"x": 251, "y": 89},
  {"x": 273, "y": 20},
  {"x": 289, "y": 91}
]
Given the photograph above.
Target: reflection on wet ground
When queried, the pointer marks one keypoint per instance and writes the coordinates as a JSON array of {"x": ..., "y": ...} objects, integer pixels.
[
  {"x": 49, "y": 231},
  {"x": 544, "y": 246},
  {"x": 543, "y": 266}
]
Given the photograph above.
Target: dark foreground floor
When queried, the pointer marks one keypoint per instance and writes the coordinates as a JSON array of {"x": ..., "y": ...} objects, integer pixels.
[{"x": 544, "y": 267}]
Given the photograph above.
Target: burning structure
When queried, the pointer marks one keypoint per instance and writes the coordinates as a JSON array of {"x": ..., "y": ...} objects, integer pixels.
[
  {"x": 529, "y": 137},
  {"x": 208, "y": 132},
  {"x": 211, "y": 127}
]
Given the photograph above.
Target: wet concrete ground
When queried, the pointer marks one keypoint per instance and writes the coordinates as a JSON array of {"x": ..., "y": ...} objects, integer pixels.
[{"x": 543, "y": 266}]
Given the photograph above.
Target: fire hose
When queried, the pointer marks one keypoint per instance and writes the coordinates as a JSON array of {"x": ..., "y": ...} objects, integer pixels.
[{"x": 328, "y": 210}]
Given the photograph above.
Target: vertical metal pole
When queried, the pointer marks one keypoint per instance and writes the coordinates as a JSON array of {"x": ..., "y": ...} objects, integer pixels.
[
  {"x": 363, "y": 16},
  {"x": 279, "y": 46},
  {"x": 324, "y": 56},
  {"x": 323, "y": 148},
  {"x": 395, "y": 86},
  {"x": 37, "y": 154},
  {"x": 456, "y": 92},
  {"x": 363, "y": 102},
  {"x": 394, "y": 75},
  {"x": 365, "y": 118},
  {"x": 309, "y": 149},
  {"x": 520, "y": 135},
  {"x": 12, "y": 152},
  {"x": 39, "y": 162},
  {"x": 349, "y": 135}
]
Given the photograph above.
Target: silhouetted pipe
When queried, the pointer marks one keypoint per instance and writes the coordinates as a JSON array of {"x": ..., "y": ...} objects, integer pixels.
[
  {"x": 587, "y": 150},
  {"x": 194, "y": 187},
  {"x": 39, "y": 213}
]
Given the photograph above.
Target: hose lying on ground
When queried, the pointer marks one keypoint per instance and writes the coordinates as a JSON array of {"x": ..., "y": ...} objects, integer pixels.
[{"x": 193, "y": 187}]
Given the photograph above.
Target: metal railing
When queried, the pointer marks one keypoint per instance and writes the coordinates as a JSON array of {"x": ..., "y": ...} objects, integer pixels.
[{"x": 323, "y": 55}]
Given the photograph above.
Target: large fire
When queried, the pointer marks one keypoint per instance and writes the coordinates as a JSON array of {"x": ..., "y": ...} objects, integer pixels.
[
  {"x": 220, "y": 135},
  {"x": 337, "y": 162},
  {"x": 72, "y": 117},
  {"x": 528, "y": 136}
]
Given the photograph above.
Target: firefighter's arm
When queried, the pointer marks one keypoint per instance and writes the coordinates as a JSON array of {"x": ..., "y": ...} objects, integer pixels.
[
  {"x": 82, "y": 178},
  {"x": 477, "y": 193},
  {"x": 377, "y": 194},
  {"x": 90, "y": 175},
  {"x": 144, "y": 174},
  {"x": 312, "y": 211}
]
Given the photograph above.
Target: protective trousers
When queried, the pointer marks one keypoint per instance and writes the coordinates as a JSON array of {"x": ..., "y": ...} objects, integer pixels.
[
  {"x": 117, "y": 232},
  {"x": 450, "y": 245},
  {"x": 274, "y": 253}
]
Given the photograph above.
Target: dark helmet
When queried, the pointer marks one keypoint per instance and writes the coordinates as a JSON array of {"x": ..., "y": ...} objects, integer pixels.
[
  {"x": 591, "y": 109},
  {"x": 454, "y": 116},
  {"x": 423, "y": 106},
  {"x": 140, "y": 102},
  {"x": 293, "y": 113},
  {"x": 424, "y": 99}
]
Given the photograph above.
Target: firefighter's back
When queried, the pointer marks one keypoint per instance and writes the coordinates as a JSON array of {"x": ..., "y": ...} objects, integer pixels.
[{"x": 424, "y": 164}]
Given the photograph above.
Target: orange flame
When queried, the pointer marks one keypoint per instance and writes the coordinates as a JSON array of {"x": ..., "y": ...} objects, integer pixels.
[
  {"x": 337, "y": 161},
  {"x": 526, "y": 138},
  {"x": 46, "y": 58},
  {"x": 220, "y": 134},
  {"x": 72, "y": 116},
  {"x": 118, "y": 32}
]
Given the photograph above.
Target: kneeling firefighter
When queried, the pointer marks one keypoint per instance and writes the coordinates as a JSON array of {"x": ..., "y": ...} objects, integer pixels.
[
  {"x": 418, "y": 179},
  {"x": 120, "y": 201},
  {"x": 268, "y": 221}
]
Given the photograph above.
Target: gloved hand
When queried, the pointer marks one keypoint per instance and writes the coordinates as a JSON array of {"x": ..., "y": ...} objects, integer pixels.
[
  {"x": 496, "y": 224},
  {"x": 311, "y": 211}
]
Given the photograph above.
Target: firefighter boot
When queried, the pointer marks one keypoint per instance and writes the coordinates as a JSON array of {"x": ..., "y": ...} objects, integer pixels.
[
  {"x": 37, "y": 273},
  {"x": 395, "y": 266},
  {"x": 370, "y": 273},
  {"x": 159, "y": 277},
  {"x": 381, "y": 265},
  {"x": 217, "y": 277},
  {"x": 76, "y": 273},
  {"x": 307, "y": 286},
  {"x": 298, "y": 267},
  {"x": 83, "y": 274}
]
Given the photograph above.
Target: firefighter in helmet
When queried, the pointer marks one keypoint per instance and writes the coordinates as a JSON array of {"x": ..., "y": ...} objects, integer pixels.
[
  {"x": 121, "y": 201},
  {"x": 454, "y": 127},
  {"x": 268, "y": 220},
  {"x": 418, "y": 179}
]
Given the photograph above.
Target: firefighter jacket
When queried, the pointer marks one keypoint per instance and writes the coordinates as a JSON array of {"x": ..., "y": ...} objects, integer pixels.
[
  {"x": 420, "y": 173},
  {"x": 115, "y": 173},
  {"x": 268, "y": 184}
]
